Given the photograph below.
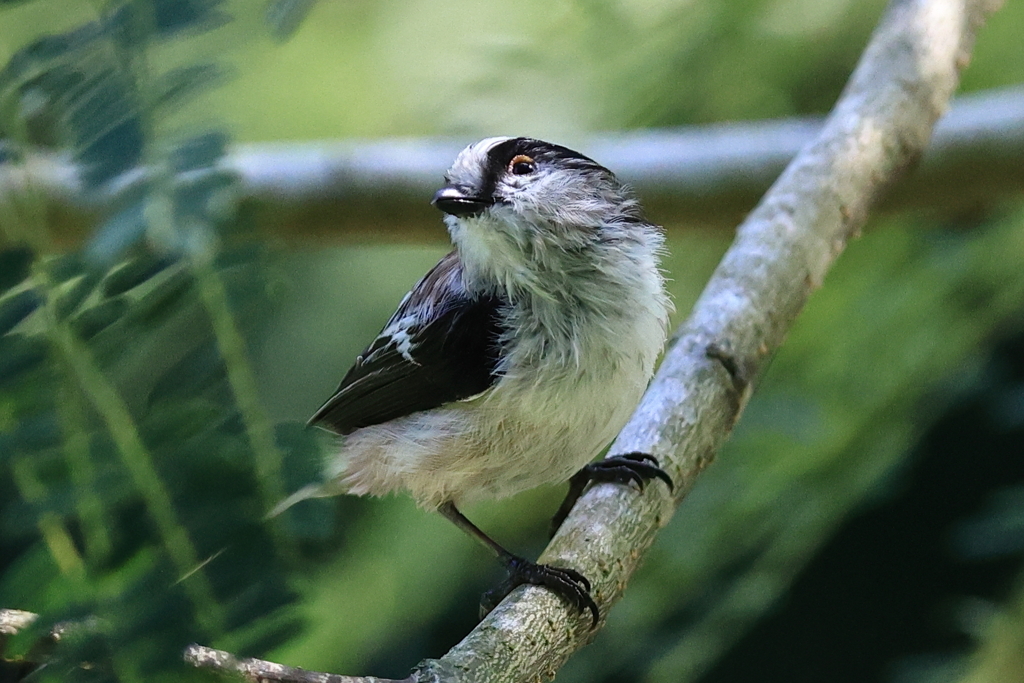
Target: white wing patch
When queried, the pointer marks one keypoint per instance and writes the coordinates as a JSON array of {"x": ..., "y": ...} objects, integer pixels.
[
  {"x": 401, "y": 338},
  {"x": 398, "y": 336}
]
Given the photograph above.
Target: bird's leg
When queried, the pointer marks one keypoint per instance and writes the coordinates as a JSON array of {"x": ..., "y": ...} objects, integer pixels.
[
  {"x": 567, "y": 583},
  {"x": 635, "y": 468}
]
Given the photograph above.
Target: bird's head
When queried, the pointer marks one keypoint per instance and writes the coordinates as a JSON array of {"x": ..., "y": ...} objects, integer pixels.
[{"x": 516, "y": 206}]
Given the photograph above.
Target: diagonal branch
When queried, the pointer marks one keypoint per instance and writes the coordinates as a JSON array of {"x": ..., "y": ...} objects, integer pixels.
[{"x": 878, "y": 129}]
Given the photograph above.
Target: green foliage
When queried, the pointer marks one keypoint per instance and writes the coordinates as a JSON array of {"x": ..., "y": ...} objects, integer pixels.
[
  {"x": 132, "y": 472},
  {"x": 896, "y": 332},
  {"x": 136, "y": 465},
  {"x": 137, "y": 459}
]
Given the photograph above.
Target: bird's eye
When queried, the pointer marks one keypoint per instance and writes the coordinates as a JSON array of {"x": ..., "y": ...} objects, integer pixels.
[{"x": 522, "y": 165}]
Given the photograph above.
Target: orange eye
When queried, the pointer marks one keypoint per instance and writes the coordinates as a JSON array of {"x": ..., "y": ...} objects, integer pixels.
[{"x": 522, "y": 165}]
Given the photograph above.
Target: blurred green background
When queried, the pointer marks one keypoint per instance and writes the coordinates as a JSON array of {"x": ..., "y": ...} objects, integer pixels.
[{"x": 865, "y": 522}]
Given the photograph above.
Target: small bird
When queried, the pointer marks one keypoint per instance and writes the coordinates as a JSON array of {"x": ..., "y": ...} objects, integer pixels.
[{"x": 518, "y": 357}]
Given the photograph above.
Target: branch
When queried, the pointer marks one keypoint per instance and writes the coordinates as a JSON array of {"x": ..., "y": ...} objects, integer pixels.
[
  {"x": 14, "y": 620},
  {"x": 711, "y": 175},
  {"x": 260, "y": 671},
  {"x": 256, "y": 670},
  {"x": 879, "y": 128}
]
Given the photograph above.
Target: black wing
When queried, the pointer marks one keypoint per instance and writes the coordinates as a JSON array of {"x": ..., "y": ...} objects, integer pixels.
[{"x": 441, "y": 345}]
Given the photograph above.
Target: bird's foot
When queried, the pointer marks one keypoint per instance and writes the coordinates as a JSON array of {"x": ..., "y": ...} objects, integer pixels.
[
  {"x": 631, "y": 468},
  {"x": 568, "y": 584}
]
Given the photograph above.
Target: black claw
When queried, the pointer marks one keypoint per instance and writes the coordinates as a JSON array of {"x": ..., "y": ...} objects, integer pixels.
[
  {"x": 575, "y": 576},
  {"x": 639, "y": 468},
  {"x": 569, "y": 584},
  {"x": 630, "y": 468}
]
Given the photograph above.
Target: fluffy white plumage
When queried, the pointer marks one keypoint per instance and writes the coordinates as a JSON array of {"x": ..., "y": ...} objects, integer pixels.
[{"x": 569, "y": 267}]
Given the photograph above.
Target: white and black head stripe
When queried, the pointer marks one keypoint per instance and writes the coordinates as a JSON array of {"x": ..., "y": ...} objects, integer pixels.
[{"x": 478, "y": 170}]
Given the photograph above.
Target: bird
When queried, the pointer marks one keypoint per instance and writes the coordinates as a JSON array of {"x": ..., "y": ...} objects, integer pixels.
[{"x": 517, "y": 358}]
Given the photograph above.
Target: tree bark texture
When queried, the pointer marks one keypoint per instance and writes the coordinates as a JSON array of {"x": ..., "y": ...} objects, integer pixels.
[{"x": 878, "y": 129}]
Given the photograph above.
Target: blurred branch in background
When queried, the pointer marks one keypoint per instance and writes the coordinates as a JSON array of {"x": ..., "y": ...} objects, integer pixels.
[
  {"x": 712, "y": 175},
  {"x": 262, "y": 671}
]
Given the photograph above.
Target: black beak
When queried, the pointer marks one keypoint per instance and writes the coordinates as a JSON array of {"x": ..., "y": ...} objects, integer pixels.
[{"x": 453, "y": 201}]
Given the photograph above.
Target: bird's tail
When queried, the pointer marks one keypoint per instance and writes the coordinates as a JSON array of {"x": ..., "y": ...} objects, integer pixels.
[{"x": 319, "y": 490}]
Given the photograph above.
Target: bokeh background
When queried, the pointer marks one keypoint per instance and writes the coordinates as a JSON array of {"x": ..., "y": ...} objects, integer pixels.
[{"x": 864, "y": 523}]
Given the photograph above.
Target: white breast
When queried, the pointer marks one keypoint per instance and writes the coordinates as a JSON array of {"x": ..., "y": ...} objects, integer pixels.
[
  {"x": 537, "y": 425},
  {"x": 578, "y": 356}
]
